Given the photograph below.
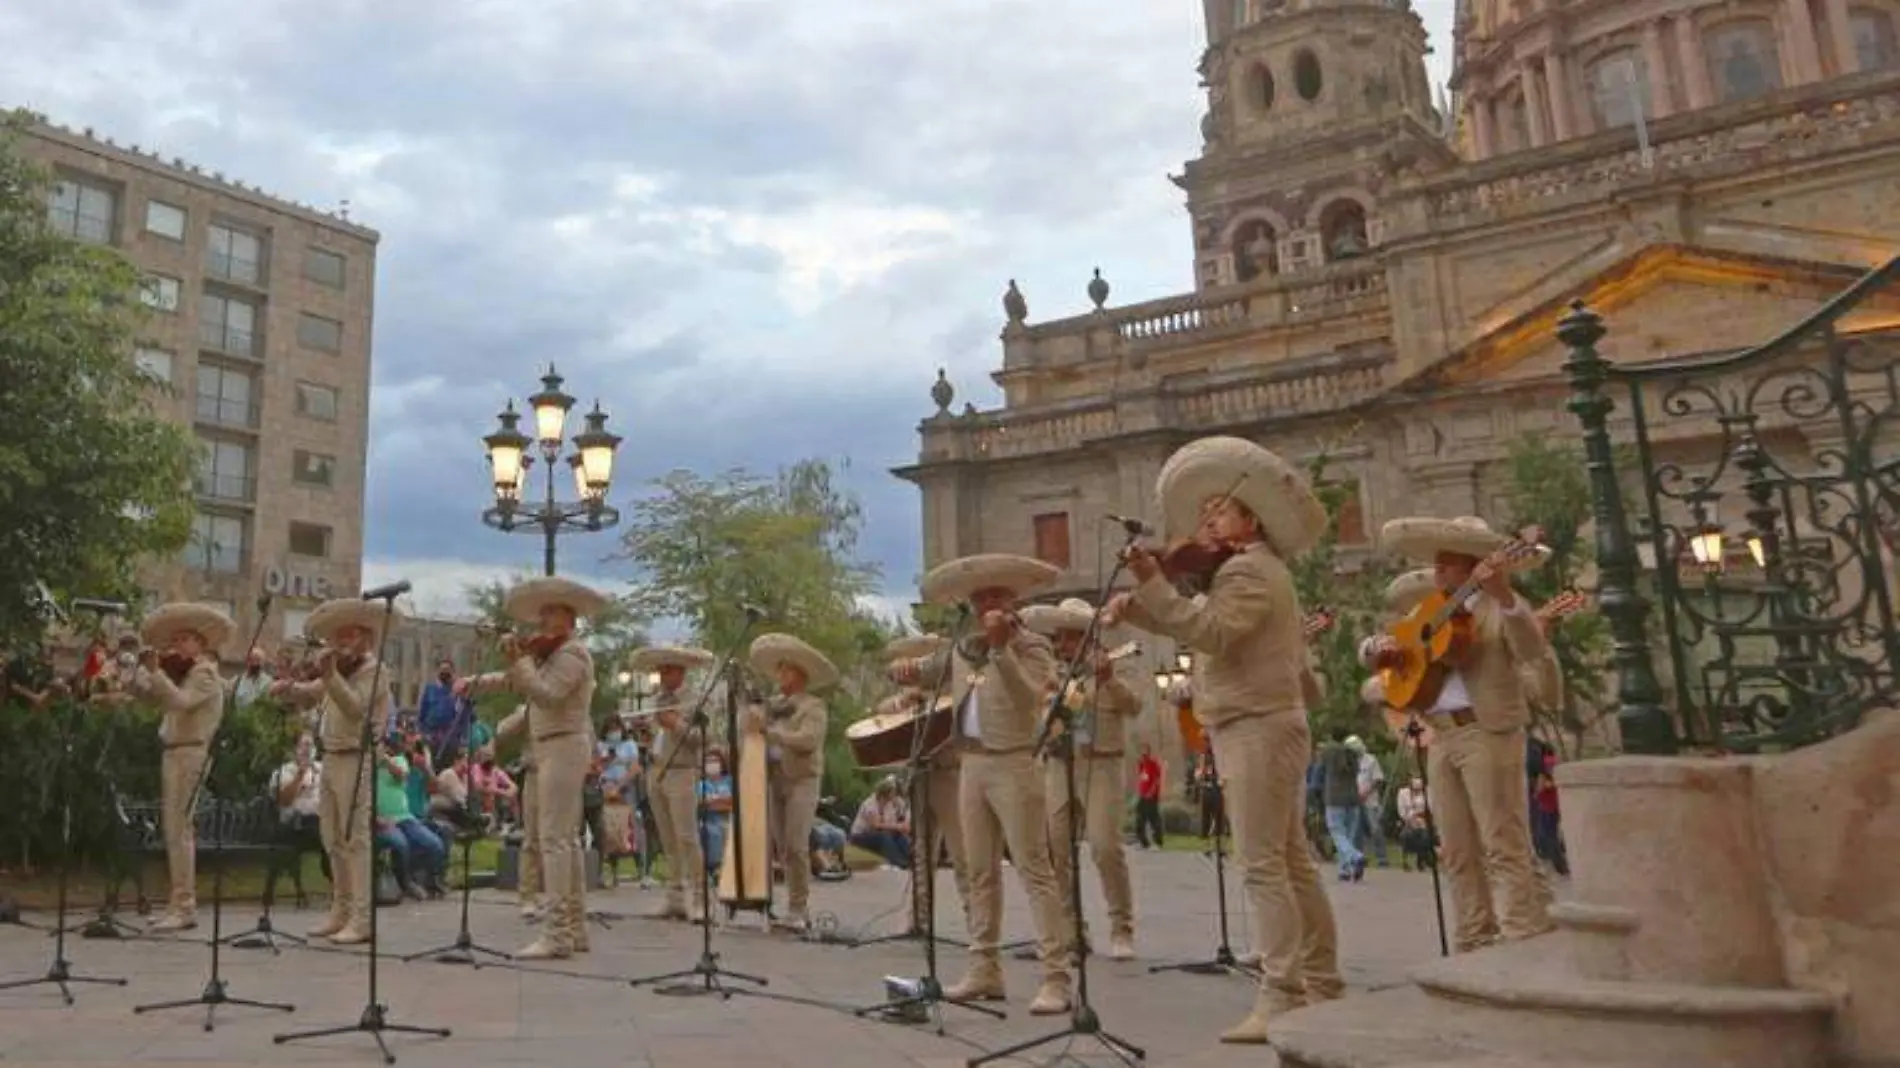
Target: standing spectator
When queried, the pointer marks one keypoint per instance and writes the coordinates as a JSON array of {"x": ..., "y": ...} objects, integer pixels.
[
  {"x": 1547, "y": 835},
  {"x": 1415, "y": 834},
  {"x": 436, "y": 711},
  {"x": 882, "y": 825},
  {"x": 1208, "y": 793},
  {"x": 1148, "y": 772},
  {"x": 715, "y": 810},
  {"x": 620, "y": 766},
  {"x": 255, "y": 680},
  {"x": 1341, "y": 763},
  {"x": 1371, "y": 803}
]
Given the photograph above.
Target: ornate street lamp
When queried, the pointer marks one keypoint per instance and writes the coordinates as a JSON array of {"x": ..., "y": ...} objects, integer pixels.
[{"x": 592, "y": 464}]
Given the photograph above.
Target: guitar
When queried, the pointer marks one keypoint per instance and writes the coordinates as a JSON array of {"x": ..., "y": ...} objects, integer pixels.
[
  {"x": 1439, "y": 631},
  {"x": 1567, "y": 603},
  {"x": 1317, "y": 622}
]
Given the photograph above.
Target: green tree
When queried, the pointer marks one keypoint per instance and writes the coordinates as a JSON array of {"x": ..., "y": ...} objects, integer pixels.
[
  {"x": 704, "y": 548},
  {"x": 1548, "y": 486},
  {"x": 1353, "y": 590},
  {"x": 93, "y": 481}
]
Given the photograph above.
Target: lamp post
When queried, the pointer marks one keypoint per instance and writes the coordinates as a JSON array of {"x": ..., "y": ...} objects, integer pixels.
[{"x": 591, "y": 462}]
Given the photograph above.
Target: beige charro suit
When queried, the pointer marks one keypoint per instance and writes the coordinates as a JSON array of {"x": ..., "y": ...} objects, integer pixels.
[
  {"x": 559, "y": 693},
  {"x": 1003, "y": 802},
  {"x": 1099, "y": 790},
  {"x": 347, "y": 838},
  {"x": 528, "y": 870},
  {"x": 192, "y": 709},
  {"x": 674, "y": 794},
  {"x": 934, "y": 804},
  {"x": 795, "y": 747},
  {"x": 1251, "y": 685}
]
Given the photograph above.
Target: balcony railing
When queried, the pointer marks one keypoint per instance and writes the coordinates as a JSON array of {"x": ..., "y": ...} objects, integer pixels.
[
  {"x": 224, "y": 487},
  {"x": 225, "y": 411},
  {"x": 228, "y": 340},
  {"x": 228, "y": 268}
]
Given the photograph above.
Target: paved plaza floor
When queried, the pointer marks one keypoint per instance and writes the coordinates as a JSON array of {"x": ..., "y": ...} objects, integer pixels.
[{"x": 506, "y": 1016}]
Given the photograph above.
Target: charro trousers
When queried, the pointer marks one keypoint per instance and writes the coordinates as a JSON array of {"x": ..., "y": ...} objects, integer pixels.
[
  {"x": 1477, "y": 797},
  {"x": 1098, "y": 790},
  {"x": 1004, "y": 804}
]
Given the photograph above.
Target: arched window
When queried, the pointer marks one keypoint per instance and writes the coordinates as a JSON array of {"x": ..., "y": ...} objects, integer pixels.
[
  {"x": 1875, "y": 44},
  {"x": 1342, "y": 228},
  {"x": 1619, "y": 89},
  {"x": 1742, "y": 58},
  {"x": 1256, "y": 250}
]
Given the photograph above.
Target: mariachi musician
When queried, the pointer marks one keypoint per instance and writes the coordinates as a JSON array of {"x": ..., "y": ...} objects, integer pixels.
[
  {"x": 1101, "y": 705},
  {"x": 553, "y": 672},
  {"x": 1478, "y": 723},
  {"x": 673, "y": 785},
  {"x": 934, "y": 791},
  {"x": 349, "y": 628},
  {"x": 1001, "y": 675},
  {"x": 1251, "y": 512},
  {"x": 793, "y": 725},
  {"x": 178, "y": 671},
  {"x": 529, "y": 872}
]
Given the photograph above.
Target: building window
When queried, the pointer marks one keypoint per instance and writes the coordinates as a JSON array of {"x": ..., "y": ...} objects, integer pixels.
[
  {"x": 316, "y": 332},
  {"x": 323, "y": 267},
  {"x": 309, "y": 539},
  {"x": 155, "y": 364},
  {"x": 1307, "y": 80},
  {"x": 1619, "y": 89},
  {"x": 217, "y": 543},
  {"x": 234, "y": 255},
  {"x": 82, "y": 211},
  {"x": 1260, "y": 87},
  {"x": 1052, "y": 539},
  {"x": 316, "y": 402},
  {"x": 1256, "y": 250},
  {"x": 165, "y": 220},
  {"x": 1342, "y": 228},
  {"x": 1742, "y": 60},
  {"x": 226, "y": 397},
  {"x": 224, "y": 470},
  {"x": 294, "y": 621},
  {"x": 227, "y": 324},
  {"x": 159, "y": 291},
  {"x": 313, "y": 468},
  {"x": 1349, "y": 522},
  {"x": 1875, "y": 44}
]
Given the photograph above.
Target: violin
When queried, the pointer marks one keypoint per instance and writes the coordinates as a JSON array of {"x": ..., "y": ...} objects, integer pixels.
[
  {"x": 542, "y": 646},
  {"x": 176, "y": 666}
]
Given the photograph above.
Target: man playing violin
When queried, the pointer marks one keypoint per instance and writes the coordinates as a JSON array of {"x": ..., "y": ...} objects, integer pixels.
[
  {"x": 1252, "y": 686},
  {"x": 1100, "y": 705},
  {"x": 1001, "y": 676},
  {"x": 677, "y": 754},
  {"x": 1478, "y": 720},
  {"x": 345, "y": 676},
  {"x": 179, "y": 672},
  {"x": 933, "y": 801}
]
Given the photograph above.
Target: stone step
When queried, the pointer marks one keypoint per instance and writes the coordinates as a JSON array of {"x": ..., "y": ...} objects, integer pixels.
[
  {"x": 1395, "y": 1028},
  {"x": 1596, "y": 937}
]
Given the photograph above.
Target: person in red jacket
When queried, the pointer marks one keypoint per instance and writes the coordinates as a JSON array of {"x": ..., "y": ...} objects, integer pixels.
[{"x": 1148, "y": 797}]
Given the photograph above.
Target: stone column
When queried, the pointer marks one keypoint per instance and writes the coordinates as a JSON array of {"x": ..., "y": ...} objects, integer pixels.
[
  {"x": 1804, "y": 55},
  {"x": 1535, "y": 104},
  {"x": 1841, "y": 37},
  {"x": 1563, "y": 115},
  {"x": 1483, "y": 131},
  {"x": 1656, "y": 69},
  {"x": 1695, "y": 66}
]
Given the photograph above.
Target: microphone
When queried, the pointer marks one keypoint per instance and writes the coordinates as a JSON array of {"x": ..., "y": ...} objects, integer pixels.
[
  {"x": 263, "y": 602},
  {"x": 387, "y": 592},
  {"x": 1135, "y": 528},
  {"x": 104, "y": 608}
]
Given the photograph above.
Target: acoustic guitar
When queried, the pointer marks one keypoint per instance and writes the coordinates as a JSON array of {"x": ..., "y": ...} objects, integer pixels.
[
  {"x": 1439, "y": 630},
  {"x": 1317, "y": 622},
  {"x": 1567, "y": 603}
]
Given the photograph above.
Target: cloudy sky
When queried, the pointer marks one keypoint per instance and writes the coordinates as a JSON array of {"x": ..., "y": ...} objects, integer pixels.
[{"x": 752, "y": 229}]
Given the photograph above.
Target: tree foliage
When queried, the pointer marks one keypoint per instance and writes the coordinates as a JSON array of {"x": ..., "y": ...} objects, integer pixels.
[
  {"x": 93, "y": 481},
  {"x": 1353, "y": 590},
  {"x": 705, "y": 548}
]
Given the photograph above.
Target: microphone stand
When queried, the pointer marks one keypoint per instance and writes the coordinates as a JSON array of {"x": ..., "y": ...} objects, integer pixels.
[
  {"x": 711, "y": 977},
  {"x": 1415, "y": 733},
  {"x": 929, "y": 993},
  {"x": 1083, "y": 1019},
  {"x": 464, "y": 949},
  {"x": 216, "y": 990},
  {"x": 60, "y": 973},
  {"x": 374, "y": 1020},
  {"x": 1223, "y": 962}
]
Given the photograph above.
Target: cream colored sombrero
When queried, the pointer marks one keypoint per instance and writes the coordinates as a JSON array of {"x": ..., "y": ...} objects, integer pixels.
[
  {"x": 210, "y": 623},
  {"x": 1372, "y": 691},
  {"x": 1404, "y": 593},
  {"x": 334, "y": 615},
  {"x": 1049, "y": 620},
  {"x": 956, "y": 580},
  {"x": 770, "y": 650},
  {"x": 1422, "y": 538},
  {"x": 655, "y": 657},
  {"x": 1275, "y": 491},
  {"x": 913, "y": 647},
  {"x": 525, "y": 601}
]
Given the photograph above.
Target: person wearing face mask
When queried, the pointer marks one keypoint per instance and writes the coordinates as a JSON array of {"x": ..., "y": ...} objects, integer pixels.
[
  {"x": 435, "y": 712},
  {"x": 715, "y": 809},
  {"x": 1415, "y": 836},
  {"x": 619, "y": 759}
]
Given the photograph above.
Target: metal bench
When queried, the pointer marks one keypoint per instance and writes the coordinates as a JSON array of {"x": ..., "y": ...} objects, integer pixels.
[{"x": 228, "y": 828}]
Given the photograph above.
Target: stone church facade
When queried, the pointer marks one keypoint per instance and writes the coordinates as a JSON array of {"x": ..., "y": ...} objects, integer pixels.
[{"x": 1381, "y": 280}]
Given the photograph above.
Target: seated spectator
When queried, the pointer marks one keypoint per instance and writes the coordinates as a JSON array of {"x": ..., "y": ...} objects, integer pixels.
[
  {"x": 296, "y": 787},
  {"x": 1415, "y": 837},
  {"x": 882, "y": 825},
  {"x": 715, "y": 810},
  {"x": 619, "y": 832},
  {"x": 492, "y": 791},
  {"x": 418, "y": 857},
  {"x": 827, "y": 851}
]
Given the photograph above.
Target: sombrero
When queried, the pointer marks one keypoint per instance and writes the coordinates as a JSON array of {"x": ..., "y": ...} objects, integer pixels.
[
  {"x": 1404, "y": 593},
  {"x": 210, "y": 623},
  {"x": 956, "y": 580},
  {"x": 525, "y": 601},
  {"x": 1422, "y": 538},
  {"x": 913, "y": 647},
  {"x": 655, "y": 657},
  {"x": 770, "y": 650},
  {"x": 332, "y": 616},
  {"x": 1372, "y": 691},
  {"x": 1291, "y": 517},
  {"x": 1050, "y": 619}
]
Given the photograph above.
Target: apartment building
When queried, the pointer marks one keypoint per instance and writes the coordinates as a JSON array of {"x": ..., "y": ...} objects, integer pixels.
[{"x": 261, "y": 328}]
